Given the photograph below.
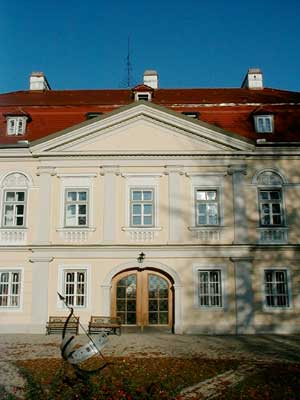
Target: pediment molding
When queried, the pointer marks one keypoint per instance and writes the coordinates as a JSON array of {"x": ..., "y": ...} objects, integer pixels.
[{"x": 86, "y": 132}]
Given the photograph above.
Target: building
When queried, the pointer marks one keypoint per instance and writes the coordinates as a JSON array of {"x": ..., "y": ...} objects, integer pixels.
[{"x": 204, "y": 182}]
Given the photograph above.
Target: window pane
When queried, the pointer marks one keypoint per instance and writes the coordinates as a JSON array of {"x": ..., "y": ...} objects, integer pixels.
[
  {"x": 19, "y": 221},
  {"x": 136, "y": 220},
  {"x": 200, "y": 195},
  {"x": 275, "y": 195},
  {"x": 10, "y": 196},
  {"x": 136, "y": 209},
  {"x": 20, "y": 209},
  {"x": 148, "y": 220},
  {"x": 81, "y": 220},
  {"x": 72, "y": 196},
  {"x": 71, "y": 210},
  {"x": 82, "y": 209},
  {"x": 20, "y": 196},
  {"x": 211, "y": 195},
  {"x": 147, "y": 195},
  {"x": 136, "y": 195},
  {"x": 264, "y": 195},
  {"x": 82, "y": 196},
  {"x": 148, "y": 209}
]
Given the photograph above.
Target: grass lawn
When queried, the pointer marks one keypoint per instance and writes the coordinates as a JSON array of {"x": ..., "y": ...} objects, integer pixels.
[{"x": 154, "y": 378}]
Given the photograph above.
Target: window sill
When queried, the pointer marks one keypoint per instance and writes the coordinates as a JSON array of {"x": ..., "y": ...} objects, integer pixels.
[
  {"x": 207, "y": 233},
  {"x": 142, "y": 234},
  {"x": 275, "y": 310},
  {"x": 273, "y": 235},
  {"x": 13, "y": 236},
  {"x": 75, "y": 234}
]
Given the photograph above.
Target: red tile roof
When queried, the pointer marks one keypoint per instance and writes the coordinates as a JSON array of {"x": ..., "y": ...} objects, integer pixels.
[{"x": 231, "y": 109}]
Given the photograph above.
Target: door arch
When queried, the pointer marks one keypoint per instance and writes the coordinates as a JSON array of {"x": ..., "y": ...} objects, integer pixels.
[{"x": 143, "y": 298}]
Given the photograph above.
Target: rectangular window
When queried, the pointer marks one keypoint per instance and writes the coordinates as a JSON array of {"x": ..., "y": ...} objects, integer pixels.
[
  {"x": 76, "y": 213},
  {"x": 142, "y": 207},
  {"x": 276, "y": 288},
  {"x": 270, "y": 206},
  {"x": 75, "y": 288},
  {"x": 207, "y": 207},
  {"x": 14, "y": 208},
  {"x": 210, "y": 288},
  {"x": 16, "y": 125},
  {"x": 263, "y": 123},
  {"x": 10, "y": 288}
]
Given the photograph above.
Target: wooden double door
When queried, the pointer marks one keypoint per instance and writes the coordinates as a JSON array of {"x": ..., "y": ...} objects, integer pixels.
[{"x": 143, "y": 298}]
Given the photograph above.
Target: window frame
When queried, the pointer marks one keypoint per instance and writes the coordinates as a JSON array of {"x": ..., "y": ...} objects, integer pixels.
[
  {"x": 75, "y": 284},
  {"x": 263, "y": 128},
  {"x": 11, "y": 271},
  {"x": 275, "y": 270},
  {"x": 209, "y": 294},
  {"x": 17, "y": 130},
  {"x": 271, "y": 202},
  {"x": 144, "y": 94},
  {"x": 77, "y": 203},
  {"x": 196, "y": 202},
  {"x": 142, "y": 202},
  {"x": 14, "y": 204}
]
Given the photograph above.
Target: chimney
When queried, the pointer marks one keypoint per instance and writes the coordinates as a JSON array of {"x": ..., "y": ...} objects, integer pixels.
[
  {"x": 38, "y": 81},
  {"x": 151, "y": 79},
  {"x": 253, "y": 79}
]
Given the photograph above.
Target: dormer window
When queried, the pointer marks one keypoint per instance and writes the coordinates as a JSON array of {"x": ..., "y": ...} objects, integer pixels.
[
  {"x": 91, "y": 115},
  {"x": 16, "y": 125},
  {"x": 191, "y": 114},
  {"x": 143, "y": 96},
  {"x": 264, "y": 123}
]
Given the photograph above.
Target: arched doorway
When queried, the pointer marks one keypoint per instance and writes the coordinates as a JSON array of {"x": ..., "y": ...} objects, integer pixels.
[{"x": 143, "y": 298}]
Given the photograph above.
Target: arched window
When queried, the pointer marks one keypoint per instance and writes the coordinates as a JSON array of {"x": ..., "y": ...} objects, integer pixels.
[{"x": 15, "y": 191}]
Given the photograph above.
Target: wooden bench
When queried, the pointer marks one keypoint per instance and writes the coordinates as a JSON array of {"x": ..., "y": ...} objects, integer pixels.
[
  {"x": 105, "y": 324},
  {"x": 56, "y": 325}
]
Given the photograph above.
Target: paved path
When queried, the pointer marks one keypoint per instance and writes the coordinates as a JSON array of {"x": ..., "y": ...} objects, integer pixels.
[{"x": 247, "y": 348}]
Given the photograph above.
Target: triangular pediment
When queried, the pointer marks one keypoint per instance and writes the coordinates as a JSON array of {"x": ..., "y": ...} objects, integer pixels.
[{"x": 141, "y": 128}]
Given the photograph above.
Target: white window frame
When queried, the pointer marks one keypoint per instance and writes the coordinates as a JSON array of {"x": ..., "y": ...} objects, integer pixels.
[
  {"x": 260, "y": 122},
  {"x": 275, "y": 309},
  {"x": 19, "y": 125},
  {"x": 76, "y": 182},
  {"x": 62, "y": 271},
  {"x": 20, "y": 283},
  {"x": 142, "y": 181},
  {"x": 223, "y": 284},
  {"x": 77, "y": 203},
  {"x": 14, "y": 204},
  {"x": 270, "y": 201},
  {"x": 142, "y": 203},
  {"x": 196, "y": 202},
  {"x": 143, "y": 94}
]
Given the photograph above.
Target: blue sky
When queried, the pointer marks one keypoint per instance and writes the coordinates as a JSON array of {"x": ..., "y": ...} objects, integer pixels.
[{"x": 191, "y": 43}]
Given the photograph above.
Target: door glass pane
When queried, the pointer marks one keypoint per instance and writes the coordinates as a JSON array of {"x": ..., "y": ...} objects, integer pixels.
[
  {"x": 158, "y": 304},
  {"x": 126, "y": 299}
]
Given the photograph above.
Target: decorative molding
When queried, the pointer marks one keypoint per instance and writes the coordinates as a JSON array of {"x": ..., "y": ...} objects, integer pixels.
[
  {"x": 142, "y": 234},
  {"x": 207, "y": 234},
  {"x": 233, "y": 169},
  {"x": 87, "y": 175},
  {"x": 273, "y": 235},
  {"x": 175, "y": 169},
  {"x": 13, "y": 236},
  {"x": 142, "y": 175},
  {"x": 196, "y": 174},
  {"x": 41, "y": 259},
  {"x": 46, "y": 170},
  {"x": 109, "y": 169},
  {"x": 75, "y": 235}
]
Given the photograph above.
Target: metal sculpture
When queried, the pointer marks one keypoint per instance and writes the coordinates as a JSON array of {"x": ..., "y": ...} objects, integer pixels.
[{"x": 75, "y": 355}]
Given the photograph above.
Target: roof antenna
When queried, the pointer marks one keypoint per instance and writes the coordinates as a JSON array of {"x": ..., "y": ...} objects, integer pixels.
[{"x": 128, "y": 81}]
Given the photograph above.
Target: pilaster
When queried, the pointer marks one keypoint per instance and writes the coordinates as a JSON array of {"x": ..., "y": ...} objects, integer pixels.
[
  {"x": 175, "y": 206},
  {"x": 110, "y": 172},
  {"x": 239, "y": 205}
]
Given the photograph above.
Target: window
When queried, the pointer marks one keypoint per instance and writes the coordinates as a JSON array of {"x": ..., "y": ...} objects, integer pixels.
[
  {"x": 209, "y": 288},
  {"x": 270, "y": 207},
  {"x": 91, "y": 115},
  {"x": 10, "y": 288},
  {"x": 76, "y": 208},
  {"x": 14, "y": 208},
  {"x": 75, "y": 288},
  {"x": 276, "y": 288},
  {"x": 207, "y": 207},
  {"x": 191, "y": 114},
  {"x": 143, "y": 96},
  {"x": 16, "y": 125},
  {"x": 142, "y": 207},
  {"x": 264, "y": 123}
]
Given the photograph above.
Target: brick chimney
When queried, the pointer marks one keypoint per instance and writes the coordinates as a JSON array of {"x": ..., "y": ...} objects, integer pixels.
[
  {"x": 151, "y": 79},
  {"x": 38, "y": 81},
  {"x": 253, "y": 79}
]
